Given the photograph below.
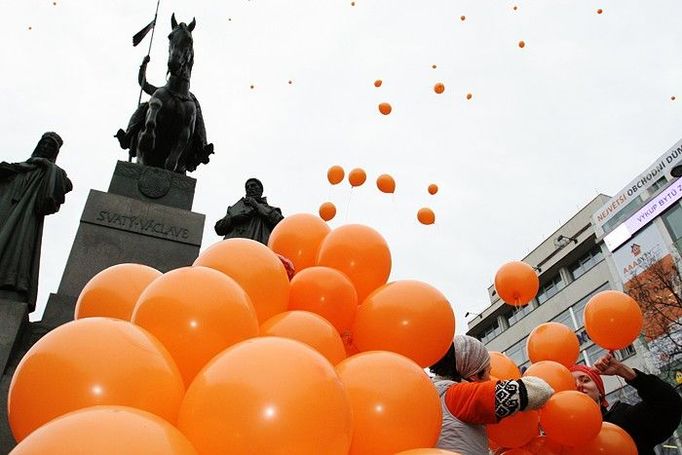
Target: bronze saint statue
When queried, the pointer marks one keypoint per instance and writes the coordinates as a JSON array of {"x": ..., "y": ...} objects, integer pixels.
[
  {"x": 28, "y": 191},
  {"x": 250, "y": 217},
  {"x": 168, "y": 131}
]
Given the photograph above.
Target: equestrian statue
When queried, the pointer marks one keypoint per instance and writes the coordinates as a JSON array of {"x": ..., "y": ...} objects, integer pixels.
[{"x": 168, "y": 131}]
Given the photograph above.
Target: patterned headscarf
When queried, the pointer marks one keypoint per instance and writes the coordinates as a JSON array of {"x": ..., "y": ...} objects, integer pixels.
[{"x": 471, "y": 356}]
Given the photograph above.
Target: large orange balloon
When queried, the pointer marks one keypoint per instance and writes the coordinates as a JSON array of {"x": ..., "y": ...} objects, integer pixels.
[
  {"x": 516, "y": 283},
  {"x": 542, "y": 445},
  {"x": 256, "y": 269},
  {"x": 327, "y": 292},
  {"x": 516, "y": 430},
  {"x": 335, "y": 175},
  {"x": 385, "y": 183},
  {"x": 502, "y": 367},
  {"x": 89, "y": 362},
  {"x": 426, "y": 216},
  {"x": 298, "y": 238},
  {"x": 395, "y": 406},
  {"x": 309, "y": 328},
  {"x": 106, "y": 430},
  {"x": 570, "y": 418},
  {"x": 196, "y": 312},
  {"x": 554, "y": 373},
  {"x": 327, "y": 211},
  {"x": 357, "y": 177},
  {"x": 553, "y": 341},
  {"x": 611, "y": 440},
  {"x": 267, "y": 395},
  {"x": 361, "y": 253},
  {"x": 114, "y": 291},
  {"x": 613, "y": 319},
  {"x": 408, "y": 317}
]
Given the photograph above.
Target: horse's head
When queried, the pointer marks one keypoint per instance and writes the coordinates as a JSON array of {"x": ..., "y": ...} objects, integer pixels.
[{"x": 180, "y": 49}]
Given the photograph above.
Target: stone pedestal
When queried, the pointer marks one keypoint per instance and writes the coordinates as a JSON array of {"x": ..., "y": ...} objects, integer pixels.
[{"x": 144, "y": 218}]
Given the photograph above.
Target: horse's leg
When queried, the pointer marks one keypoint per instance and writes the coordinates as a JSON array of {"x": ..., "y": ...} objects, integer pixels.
[
  {"x": 148, "y": 136},
  {"x": 176, "y": 152}
]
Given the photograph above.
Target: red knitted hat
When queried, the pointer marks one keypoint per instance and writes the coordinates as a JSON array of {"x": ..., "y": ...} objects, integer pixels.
[{"x": 596, "y": 377}]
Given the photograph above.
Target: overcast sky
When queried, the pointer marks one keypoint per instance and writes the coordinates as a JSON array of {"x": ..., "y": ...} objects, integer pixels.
[{"x": 581, "y": 109}]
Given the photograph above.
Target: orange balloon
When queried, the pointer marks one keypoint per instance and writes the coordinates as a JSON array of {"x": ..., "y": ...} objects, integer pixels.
[
  {"x": 426, "y": 216},
  {"x": 611, "y": 440},
  {"x": 255, "y": 268},
  {"x": 554, "y": 373},
  {"x": 439, "y": 88},
  {"x": 89, "y": 362},
  {"x": 196, "y": 312},
  {"x": 516, "y": 283},
  {"x": 385, "y": 183},
  {"x": 267, "y": 395},
  {"x": 599, "y": 11},
  {"x": 385, "y": 411},
  {"x": 357, "y": 177},
  {"x": 327, "y": 292},
  {"x": 408, "y": 317},
  {"x": 309, "y": 328},
  {"x": 428, "y": 452},
  {"x": 327, "y": 211},
  {"x": 361, "y": 253},
  {"x": 298, "y": 238},
  {"x": 433, "y": 189},
  {"x": 570, "y": 418},
  {"x": 516, "y": 430},
  {"x": 335, "y": 174},
  {"x": 114, "y": 291},
  {"x": 613, "y": 319},
  {"x": 106, "y": 430},
  {"x": 469, "y": 95},
  {"x": 385, "y": 108},
  {"x": 503, "y": 367},
  {"x": 542, "y": 445},
  {"x": 553, "y": 341},
  {"x": 378, "y": 83},
  {"x": 522, "y": 44}
]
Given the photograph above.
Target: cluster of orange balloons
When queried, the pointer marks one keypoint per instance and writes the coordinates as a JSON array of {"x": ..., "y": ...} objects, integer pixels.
[{"x": 229, "y": 356}]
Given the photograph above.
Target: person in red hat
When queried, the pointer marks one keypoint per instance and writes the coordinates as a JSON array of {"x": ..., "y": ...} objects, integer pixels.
[{"x": 649, "y": 422}]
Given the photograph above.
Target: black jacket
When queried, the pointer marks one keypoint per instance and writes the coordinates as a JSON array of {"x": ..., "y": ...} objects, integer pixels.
[{"x": 653, "y": 420}]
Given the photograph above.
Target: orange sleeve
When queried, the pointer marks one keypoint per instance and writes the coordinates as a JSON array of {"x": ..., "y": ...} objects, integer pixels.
[{"x": 472, "y": 402}]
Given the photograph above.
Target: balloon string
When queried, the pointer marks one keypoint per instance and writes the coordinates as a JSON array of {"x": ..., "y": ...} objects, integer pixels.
[{"x": 350, "y": 196}]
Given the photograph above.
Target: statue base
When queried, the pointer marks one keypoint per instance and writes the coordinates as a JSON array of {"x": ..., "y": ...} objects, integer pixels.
[{"x": 144, "y": 218}]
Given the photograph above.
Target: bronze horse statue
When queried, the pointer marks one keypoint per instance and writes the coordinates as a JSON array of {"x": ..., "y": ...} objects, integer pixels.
[{"x": 168, "y": 131}]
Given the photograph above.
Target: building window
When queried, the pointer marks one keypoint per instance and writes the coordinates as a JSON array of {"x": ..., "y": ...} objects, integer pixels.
[
  {"x": 550, "y": 288},
  {"x": 579, "y": 307},
  {"x": 594, "y": 353},
  {"x": 491, "y": 332},
  {"x": 566, "y": 319},
  {"x": 657, "y": 185},
  {"x": 517, "y": 352},
  {"x": 627, "y": 394},
  {"x": 624, "y": 213},
  {"x": 517, "y": 314},
  {"x": 625, "y": 353},
  {"x": 586, "y": 262},
  {"x": 673, "y": 222}
]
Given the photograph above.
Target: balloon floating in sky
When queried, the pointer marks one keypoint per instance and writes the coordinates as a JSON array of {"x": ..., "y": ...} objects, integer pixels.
[
  {"x": 335, "y": 174},
  {"x": 252, "y": 87},
  {"x": 433, "y": 189},
  {"x": 462, "y": 18},
  {"x": 599, "y": 11},
  {"x": 672, "y": 98},
  {"x": 434, "y": 66},
  {"x": 385, "y": 108},
  {"x": 426, "y": 216},
  {"x": 469, "y": 95},
  {"x": 515, "y": 8},
  {"x": 439, "y": 88},
  {"x": 357, "y": 177},
  {"x": 327, "y": 211},
  {"x": 516, "y": 283},
  {"x": 385, "y": 183},
  {"x": 378, "y": 83},
  {"x": 522, "y": 44}
]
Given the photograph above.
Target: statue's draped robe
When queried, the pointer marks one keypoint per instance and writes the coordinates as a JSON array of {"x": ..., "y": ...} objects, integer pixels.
[
  {"x": 244, "y": 221},
  {"x": 28, "y": 192}
]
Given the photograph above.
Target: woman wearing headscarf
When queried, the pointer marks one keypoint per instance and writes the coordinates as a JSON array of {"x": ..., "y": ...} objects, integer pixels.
[
  {"x": 649, "y": 422},
  {"x": 470, "y": 400}
]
